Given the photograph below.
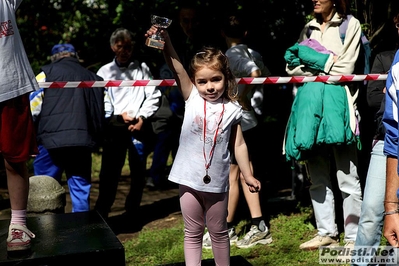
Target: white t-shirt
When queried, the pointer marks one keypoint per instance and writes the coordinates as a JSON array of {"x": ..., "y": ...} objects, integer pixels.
[
  {"x": 257, "y": 97},
  {"x": 242, "y": 64},
  {"x": 189, "y": 165},
  {"x": 17, "y": 77}
]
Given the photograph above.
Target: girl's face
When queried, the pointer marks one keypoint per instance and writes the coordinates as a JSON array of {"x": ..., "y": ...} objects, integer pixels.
[
  {"x": 210, "y": 83},
  {"x": 323, "y": 6}
]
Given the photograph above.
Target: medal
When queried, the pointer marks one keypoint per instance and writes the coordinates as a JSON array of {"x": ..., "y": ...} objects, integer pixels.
[{"x": 207, "y": 179}]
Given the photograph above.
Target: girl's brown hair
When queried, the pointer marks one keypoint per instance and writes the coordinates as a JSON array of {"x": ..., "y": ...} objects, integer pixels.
[{"x": 213, "y": 58}]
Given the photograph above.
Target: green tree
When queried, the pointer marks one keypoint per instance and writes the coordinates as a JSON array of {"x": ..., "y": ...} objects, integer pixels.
[{"x": 87, "y": 24}]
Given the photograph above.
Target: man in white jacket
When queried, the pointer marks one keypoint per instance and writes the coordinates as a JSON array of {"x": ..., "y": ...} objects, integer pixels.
[{"x": 127, "y": 109}]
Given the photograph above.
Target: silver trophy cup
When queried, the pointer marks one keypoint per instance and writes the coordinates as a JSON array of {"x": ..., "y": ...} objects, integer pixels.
[{"x": 155, "y": 40}]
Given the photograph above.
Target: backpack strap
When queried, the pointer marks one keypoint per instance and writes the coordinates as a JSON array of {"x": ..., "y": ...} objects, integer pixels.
[
  {"x": 343, "y": 27},
  {"x": 367, "y": 53},
  {"x": 364, "y": 41}
]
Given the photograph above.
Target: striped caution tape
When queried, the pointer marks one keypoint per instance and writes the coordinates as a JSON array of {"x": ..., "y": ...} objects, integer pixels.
[{"x": 172, "y": 82}]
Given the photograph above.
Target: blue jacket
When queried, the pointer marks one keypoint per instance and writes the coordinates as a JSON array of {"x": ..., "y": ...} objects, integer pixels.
[{"x": 390, "y": 117}]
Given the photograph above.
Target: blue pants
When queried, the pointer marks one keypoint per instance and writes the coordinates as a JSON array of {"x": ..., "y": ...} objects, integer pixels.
[
  {"x": 76, "y": 162},
  {"x": 371, "y": 216}
]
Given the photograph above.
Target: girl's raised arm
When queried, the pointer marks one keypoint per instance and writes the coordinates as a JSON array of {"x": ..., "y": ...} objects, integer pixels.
[{"x": 172, "y": 60}]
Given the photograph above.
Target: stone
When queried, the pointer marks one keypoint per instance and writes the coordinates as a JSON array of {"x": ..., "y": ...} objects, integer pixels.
[{"x": 46, "y": 195}]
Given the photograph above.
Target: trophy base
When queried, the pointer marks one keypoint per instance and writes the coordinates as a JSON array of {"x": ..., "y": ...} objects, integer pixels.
[{"x": 158, "y": 44}]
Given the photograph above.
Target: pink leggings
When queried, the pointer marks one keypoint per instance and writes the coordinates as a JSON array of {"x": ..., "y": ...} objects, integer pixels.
[{"x": 194, "y": 205}]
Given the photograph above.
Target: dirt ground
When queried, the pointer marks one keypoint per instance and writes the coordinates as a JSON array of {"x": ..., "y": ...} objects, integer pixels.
[{"x": 159, "y": 209}]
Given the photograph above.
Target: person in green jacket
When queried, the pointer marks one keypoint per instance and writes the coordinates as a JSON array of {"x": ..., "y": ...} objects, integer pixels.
[{"x": 322, "y": 124}]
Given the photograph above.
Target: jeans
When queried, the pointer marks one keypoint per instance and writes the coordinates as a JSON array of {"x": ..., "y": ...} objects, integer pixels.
[
  {"x": 371, "y": 216},
  {"x": 322, "y": 195}
]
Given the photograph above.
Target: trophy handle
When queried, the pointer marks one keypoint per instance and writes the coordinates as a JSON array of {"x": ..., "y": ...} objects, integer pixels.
[{"x": 157, "y": 35}]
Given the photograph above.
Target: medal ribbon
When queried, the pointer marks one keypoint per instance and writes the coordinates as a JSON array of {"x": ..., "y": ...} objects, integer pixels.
[{"x": 208, "y": 163}]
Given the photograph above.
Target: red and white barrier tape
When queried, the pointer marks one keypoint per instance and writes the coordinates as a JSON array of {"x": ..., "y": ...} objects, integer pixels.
[{"x": 171, "y": 82}]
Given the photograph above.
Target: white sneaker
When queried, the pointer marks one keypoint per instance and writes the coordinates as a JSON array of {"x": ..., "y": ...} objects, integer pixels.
[
  {"x": 348, "y": 247},
  {"x": 319, "y": 241},
  {"x": 255, "y": 236},
  {"x": 150, "y": 182},
  {"x": 207, "y": 243},
  {"x": 19, "y": 238},
  {"x": 233, "y": 236},
  {"x": 350, "y": 244}
]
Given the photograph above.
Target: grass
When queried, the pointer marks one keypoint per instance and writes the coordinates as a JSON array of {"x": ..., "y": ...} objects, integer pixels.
[{"x": 165, "y": 246}]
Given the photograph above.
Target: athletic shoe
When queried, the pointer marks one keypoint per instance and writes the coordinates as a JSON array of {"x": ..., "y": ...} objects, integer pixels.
[
  {"x": 150, "y": 183},
  {"x": 349, "y": 246},
  {"x": 19, "y": 238},
  {"x": 319, "y": 241},
  {"x": 256, "y": 236},
  {"x": 207, "y": 243}
]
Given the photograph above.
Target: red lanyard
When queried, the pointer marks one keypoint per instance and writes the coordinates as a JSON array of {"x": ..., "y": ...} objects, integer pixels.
[{"x": 208, "y": 162}]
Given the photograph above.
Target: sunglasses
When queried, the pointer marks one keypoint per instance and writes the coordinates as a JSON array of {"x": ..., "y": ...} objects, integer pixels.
[{"x": 397, "y": 25}]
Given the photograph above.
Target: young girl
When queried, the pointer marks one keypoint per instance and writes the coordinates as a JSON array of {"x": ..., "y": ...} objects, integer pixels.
[{"x": 201, "y": 168}]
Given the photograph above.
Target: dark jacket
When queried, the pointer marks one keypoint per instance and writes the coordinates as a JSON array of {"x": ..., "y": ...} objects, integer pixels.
[
  {"x": 375, "y": 95},
  {"x": 70, "y": 116}
]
